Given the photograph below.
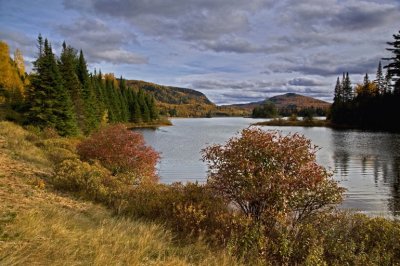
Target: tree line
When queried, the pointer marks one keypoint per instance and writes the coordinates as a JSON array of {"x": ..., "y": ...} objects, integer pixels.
[
  {"x": 269, "y": 110},
  {"x": 62, "y": 94},
  {"x": 371, "y": 104}
]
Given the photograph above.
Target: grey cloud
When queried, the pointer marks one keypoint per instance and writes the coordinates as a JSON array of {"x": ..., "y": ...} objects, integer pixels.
[
  {"x": 321, "y": 16},
  {"x": 100, "y": 42},
  {"x": 304, "y": 82},
  {"x": 189, "y": 20},
  {"x": 236, "y": 45},
  {"x": 327, "y": 66}
]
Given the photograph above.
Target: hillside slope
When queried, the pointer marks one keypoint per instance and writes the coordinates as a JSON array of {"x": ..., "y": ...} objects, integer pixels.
[
  {"x": 300, "y": 101},
  {"x": 175, "y": 101},
  {"x": 42, "y": 226}
]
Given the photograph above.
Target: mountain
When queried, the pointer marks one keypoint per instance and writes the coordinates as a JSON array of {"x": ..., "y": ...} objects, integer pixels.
[
  {"x": 300, "y": 101},
  {"x": 288, "y": 100},
  {"x": 175, "y": 101}
]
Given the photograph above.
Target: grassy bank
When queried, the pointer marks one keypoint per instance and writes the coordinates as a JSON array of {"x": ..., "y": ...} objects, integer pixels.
[{"x": 42, "y": 226}]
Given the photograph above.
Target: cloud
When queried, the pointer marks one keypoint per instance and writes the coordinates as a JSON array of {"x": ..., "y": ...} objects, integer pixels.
[
  {"x": 100, "y": 42},
  {"x": 304, "y": 82}
]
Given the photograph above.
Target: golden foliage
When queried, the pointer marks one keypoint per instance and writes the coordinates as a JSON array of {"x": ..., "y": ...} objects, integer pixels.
[{"x": 10, "y": 79}]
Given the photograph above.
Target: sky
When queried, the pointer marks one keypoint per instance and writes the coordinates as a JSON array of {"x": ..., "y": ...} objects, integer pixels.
[{"x": 234, "y": 51}]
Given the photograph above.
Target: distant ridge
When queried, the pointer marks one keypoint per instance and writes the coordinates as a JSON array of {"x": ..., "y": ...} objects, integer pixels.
[{"x": 293, "y": 100}]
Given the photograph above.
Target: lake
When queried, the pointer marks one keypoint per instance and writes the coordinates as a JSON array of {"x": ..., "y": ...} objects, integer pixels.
[{"x": 367, "y": 164}]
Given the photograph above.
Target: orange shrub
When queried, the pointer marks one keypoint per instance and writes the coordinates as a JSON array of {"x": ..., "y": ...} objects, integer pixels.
[{"x": 121, "y": 151}]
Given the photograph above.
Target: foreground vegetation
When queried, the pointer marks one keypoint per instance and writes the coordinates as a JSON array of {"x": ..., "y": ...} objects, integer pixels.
[
  {"x": 41, "y": 226},
  {"x": 67, "y": 201}
]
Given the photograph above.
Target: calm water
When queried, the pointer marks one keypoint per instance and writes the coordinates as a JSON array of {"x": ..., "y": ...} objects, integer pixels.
[{"x": 366, "y": 163}]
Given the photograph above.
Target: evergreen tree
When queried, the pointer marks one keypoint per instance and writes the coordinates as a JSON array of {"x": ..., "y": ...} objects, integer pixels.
[
  {"x": 50, "y": 104},
  {"x": 137, "y": 112},
  {"x": 347, "y": 88},
  {"x": 380, "y": 80},
  {"x": 387, "y": 82},
  {"x": 394, "y": 62},
  {"x": 91, "y": 109},
  {"x": 67, "y": 66},
  {"x": 338, "y": 92}
]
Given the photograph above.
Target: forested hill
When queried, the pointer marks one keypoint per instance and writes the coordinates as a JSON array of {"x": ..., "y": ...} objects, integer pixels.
[
  {"x": 174, "y": 101},
  {"x": 288, "y": 100},
  {"x": 300, "y": 101},
  {"x": 171, "y": 95}
]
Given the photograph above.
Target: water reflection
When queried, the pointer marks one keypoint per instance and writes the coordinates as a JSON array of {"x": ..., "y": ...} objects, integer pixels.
[{"x": 368, "y": 165}]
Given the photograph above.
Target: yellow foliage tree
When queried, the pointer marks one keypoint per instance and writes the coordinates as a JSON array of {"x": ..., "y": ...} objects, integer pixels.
[
  {"x": 11, "y": 83},
  {"x": 369, "y": 89}
]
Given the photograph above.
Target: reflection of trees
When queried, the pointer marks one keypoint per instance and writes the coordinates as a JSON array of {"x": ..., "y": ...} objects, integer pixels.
[
  {"x": 381, "y": 161},
  {"x": 341, "y": 160},
  {"x": 394, "y": 201}
]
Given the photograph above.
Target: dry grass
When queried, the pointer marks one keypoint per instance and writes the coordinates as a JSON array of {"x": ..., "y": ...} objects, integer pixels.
[
  {"x": 51, "y": 235},
  {"x": 39, "y": 226},
  {"x": 16, "y": 141}
]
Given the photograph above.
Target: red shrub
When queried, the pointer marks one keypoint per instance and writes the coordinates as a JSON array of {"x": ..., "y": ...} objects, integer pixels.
[{"x": 121, "y": 151}]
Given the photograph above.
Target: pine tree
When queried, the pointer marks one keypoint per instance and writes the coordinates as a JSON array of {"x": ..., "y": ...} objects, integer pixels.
[
  {"x": 50, "y": 104},
  {"x": 380, "y": 80},
  {"x": 347, "y": 88},
  {"x": 67, "y": 66},
  {"x": 387, "y": 81},
  {"x": 338, "y": 92},
  {"x": 137, "y": 112},
  {"x": 91, "y": 109},
  {"x": 394, "y": 62}
]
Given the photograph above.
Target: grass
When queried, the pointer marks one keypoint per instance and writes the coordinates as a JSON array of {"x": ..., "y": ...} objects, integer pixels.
[{"x": 41, "y": 226}]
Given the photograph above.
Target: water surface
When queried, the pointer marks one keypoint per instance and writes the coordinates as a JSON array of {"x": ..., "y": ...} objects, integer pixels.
[{"x": 366, "y": 163}]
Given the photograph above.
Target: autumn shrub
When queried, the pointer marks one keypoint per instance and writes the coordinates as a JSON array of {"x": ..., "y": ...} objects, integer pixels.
[
  {"x": 83, "y": 178},
  {"x": 274, "y": 180},
  {"x": 344, "y": 238},
  {"x": 59, "y": 149},
  {"x": 189, "y": 209},
  {"x": 121, "y": 151}
]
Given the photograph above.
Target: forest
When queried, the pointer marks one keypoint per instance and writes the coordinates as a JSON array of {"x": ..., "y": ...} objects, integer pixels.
[
  {"x": 372, "y": 104},
  {"x": 62, "y": 94}
]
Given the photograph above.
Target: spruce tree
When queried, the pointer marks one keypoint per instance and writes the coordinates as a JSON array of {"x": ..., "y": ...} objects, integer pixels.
[
  {"x": 137, "y": 112},
  {"x": 67, "y": 66},
  {"x": 394, "y": 62},
  {"x": 380, "y": 80},
  {"x": 91, "y": 108},
  {"x": 338, "y": 92},
  {"x": 347, "y": 88},
  {"x": 50, "y": 104}
]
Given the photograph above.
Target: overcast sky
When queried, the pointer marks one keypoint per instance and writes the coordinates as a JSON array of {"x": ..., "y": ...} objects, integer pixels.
[{"x": 234, "y": 51}]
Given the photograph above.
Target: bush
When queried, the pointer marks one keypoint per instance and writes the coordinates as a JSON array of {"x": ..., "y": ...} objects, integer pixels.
[
  {"x": 190, "y": 210},
  {"x": 77, "y": 176},
  {"x": 276, "y": 182},
  {"x": 59, "y": 149},
  {"x": 121, "y": 151},
  {"x": 268, "y": 175}
]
